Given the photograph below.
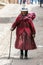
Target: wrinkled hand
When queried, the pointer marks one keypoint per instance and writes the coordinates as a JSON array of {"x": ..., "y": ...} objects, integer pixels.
[
  {"x": 33, "y": 35},
  {"x": 11, "y": 29}
]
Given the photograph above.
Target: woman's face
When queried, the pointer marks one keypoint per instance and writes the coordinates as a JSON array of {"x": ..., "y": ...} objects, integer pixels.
[{"x": 23, "y": 12}]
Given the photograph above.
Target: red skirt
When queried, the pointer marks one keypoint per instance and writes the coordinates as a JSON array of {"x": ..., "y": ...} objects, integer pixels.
[{"x": 25, "y": 42}]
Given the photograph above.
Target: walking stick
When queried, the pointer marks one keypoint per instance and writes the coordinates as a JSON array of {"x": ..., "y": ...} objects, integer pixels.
[{"x": 10, "y": 45}]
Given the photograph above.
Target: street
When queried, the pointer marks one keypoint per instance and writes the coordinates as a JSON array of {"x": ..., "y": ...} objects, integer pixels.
[{"x": 35, "y": 57}]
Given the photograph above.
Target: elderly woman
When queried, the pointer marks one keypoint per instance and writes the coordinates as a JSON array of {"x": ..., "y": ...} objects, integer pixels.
[{"x": 25, "y": 32}]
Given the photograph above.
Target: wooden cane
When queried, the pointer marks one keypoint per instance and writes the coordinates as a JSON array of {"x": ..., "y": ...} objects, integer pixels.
[{"x": 10, "y": 45}]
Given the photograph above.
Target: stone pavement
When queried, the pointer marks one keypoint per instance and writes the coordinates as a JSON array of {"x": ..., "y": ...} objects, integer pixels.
[
  {"x": 11, "y": 10},
  {"x": 35, "y": 56}
]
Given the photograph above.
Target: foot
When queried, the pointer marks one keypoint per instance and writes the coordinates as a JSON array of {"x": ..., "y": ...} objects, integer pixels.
[
  {"x": 21, "y": 57},
  {"x": 26, "y": 57}
]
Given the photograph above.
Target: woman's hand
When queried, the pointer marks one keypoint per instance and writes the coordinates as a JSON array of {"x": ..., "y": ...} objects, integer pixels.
[
  {"x": 11, "y": 29},
  {"x": 33, "y": 35}
]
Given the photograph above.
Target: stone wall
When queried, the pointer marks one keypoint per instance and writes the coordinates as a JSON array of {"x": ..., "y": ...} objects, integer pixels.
[
  {"x": 4, "y": 1},
  {"x": 9, "y": 1}
]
